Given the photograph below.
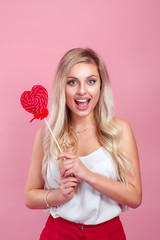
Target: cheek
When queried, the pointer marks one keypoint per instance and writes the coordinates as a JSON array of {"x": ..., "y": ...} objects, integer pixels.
[
  {"x": 69, "y": 96},
  {"x": 95, "y": 93}
]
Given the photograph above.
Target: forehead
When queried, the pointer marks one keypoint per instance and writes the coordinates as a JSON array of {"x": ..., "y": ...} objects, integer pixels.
[{"x": 83, "y": 69}]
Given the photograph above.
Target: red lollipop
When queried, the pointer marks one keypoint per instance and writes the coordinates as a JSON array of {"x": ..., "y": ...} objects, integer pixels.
[{"x": 35, "y": 102}]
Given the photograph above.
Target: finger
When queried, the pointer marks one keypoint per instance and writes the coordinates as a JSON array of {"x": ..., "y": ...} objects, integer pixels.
[
  {"x": 68, "y": 172},
  {"x": 64, "y": 168},
  {"x": 68, "y": 179},
  {"x": 67, "y": 161},
  {"x": 70, "y": 184},
  {"x": 66, "y": 164},
  {"x": 65, "y": 155},
  {"x": 68, "y": 191},
  {"x": 71, "y": 179}
]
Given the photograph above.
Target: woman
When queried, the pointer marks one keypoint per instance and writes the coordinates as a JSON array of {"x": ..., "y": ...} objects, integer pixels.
[{"x": 97, "y": 175}]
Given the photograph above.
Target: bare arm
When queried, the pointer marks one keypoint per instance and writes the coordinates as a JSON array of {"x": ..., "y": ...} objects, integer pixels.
[
  {"x": 34, "y": 192},
  {"x": 130, "y": 195}
]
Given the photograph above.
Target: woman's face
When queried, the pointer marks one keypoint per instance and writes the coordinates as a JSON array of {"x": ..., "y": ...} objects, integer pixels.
[{"x": 82, "y": 89}]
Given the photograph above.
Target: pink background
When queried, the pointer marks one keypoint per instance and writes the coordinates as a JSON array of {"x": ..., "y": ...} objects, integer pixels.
[{"x": 34, "y": 36}]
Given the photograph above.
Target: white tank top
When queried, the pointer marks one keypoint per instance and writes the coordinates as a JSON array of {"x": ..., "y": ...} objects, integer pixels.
[{"x": 88, "y": 206}]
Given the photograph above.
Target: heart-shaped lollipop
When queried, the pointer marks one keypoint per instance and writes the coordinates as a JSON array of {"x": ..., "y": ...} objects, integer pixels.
[{"x": 35, "y": 102}]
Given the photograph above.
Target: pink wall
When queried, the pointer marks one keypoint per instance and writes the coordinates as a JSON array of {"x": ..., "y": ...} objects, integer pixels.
[{"x": 34, "y": 36}]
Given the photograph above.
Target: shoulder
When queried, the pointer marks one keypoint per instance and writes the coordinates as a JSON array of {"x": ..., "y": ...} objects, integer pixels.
[
  {"x": 124, "y": 126},
  {"x": 127, "y": 135},
  {"x": 39, "y": 135},
  {"x": 40, "y": 131}
]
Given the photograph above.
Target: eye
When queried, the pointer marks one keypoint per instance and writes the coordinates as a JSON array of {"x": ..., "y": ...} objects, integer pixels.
[
  {"x": 91, "y": 81},
  {"x": 72, "y": 82}
]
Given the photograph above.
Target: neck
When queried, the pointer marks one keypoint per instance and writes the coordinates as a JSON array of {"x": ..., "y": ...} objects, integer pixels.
[{"x": 79, "y": 123}]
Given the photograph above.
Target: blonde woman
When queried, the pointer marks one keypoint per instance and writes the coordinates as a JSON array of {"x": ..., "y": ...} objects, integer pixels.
[{"x": 96, "y": 176}]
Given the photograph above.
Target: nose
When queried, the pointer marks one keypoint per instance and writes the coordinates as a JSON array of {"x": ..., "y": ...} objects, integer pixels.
[{"x": 81, "y": 89}]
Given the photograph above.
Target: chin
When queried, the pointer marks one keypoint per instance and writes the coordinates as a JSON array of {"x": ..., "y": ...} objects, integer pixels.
[{"x": 82, "y": 113}]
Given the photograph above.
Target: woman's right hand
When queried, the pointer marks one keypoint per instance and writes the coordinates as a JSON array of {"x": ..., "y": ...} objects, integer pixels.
[{"x": 67, "y": 187}]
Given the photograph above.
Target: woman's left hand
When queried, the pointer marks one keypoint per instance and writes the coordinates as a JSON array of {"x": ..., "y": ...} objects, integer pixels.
[{"x": 72, "y": 165}]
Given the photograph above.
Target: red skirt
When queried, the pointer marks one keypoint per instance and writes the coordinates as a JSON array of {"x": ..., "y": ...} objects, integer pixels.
[{"x": 61, "y": 229}]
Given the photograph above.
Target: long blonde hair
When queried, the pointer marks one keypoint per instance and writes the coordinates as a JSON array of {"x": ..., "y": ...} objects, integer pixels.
[{"x": 109, "y": 134}]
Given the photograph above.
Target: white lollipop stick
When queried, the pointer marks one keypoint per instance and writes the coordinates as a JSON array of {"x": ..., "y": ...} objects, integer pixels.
[{"x": 53, "y": 135}]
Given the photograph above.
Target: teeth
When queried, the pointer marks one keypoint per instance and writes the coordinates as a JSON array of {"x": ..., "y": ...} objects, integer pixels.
[{"x": 81, "y": 100}]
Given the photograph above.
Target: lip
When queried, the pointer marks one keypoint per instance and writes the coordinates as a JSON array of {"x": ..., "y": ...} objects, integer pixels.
[
  {"x": 82, "y": 103},
  {"x": 84, "y": 98}
]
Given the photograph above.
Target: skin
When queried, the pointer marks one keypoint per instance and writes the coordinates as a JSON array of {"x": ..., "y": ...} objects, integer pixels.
[{"x": 83, "y": 83}]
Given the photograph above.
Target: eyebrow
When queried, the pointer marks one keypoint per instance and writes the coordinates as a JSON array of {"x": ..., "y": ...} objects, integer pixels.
[
  {"x": 87, "y": 77},
  {"x": 72, "y": 77}
]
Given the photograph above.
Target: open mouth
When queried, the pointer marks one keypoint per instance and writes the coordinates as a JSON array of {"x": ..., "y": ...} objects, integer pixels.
[{"x": 82, "y": 103}]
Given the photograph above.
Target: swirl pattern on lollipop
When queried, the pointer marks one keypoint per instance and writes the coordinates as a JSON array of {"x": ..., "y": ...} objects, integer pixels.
[{"x": 35, "y": 102}]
